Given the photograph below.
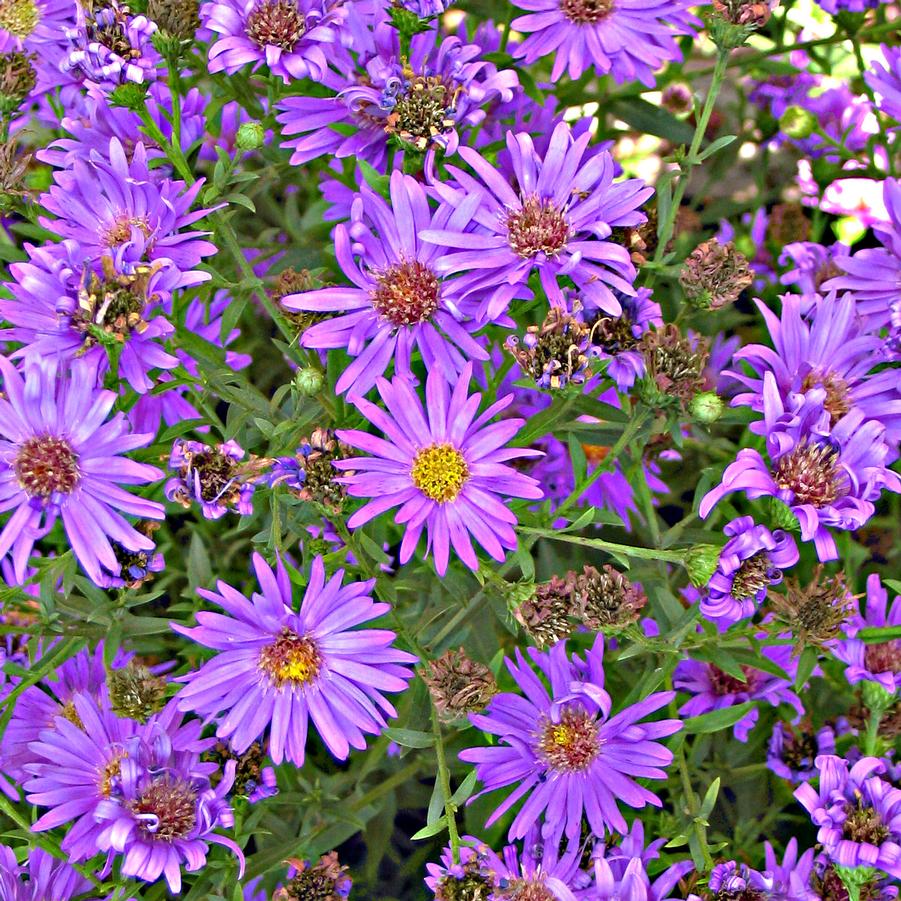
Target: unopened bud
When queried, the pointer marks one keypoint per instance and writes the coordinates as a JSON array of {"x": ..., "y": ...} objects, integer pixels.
[
  {"x": 250, "y": 136},
  {"x": 309, "y": 381},
  {"x": 797, "y": 122},
  {"x": 459, "y": 685},
  {"x": 714, "y": 275},
  {"x": 701, "y": 562},
  {"x": 131, "y": 95},
  {"x": 876, "y": 698},
  {"x": 706, "y": 407},
  {"x": 677, "y": 99}
]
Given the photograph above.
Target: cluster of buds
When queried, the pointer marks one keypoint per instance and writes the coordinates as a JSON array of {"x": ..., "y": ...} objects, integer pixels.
[
  {"x": 135, "y": 691},
  {"x": 310, "y": 475},
  {"x": 216, "y": 477},
  {"x": 714, "y": 275},
  {"x": 324, "y": 880},
  {"x": 602, "y": 600},
  {"x": 674, "y": 366},
  {"x": 555, "y": 353},
  {"x": 459, "y": 685}
]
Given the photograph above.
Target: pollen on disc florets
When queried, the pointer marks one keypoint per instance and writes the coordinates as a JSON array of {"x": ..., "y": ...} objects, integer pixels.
[
  {"x": 811, "y": 472},
  {"x": 864, "y": 824},
  {"x": 406, "y": 293},
  {"x": 121, "y": 228},
  {"x": 538, "y": 226},
  {"x": 19, "y": 17},
  {"x": 571, "y": 744},
  {"x": 423, "y": 111},
  {"x": 47, "y": 465},
  {"x": 586, "y": 12},
  {"x": 275, "y": 23},
  {"x": 440, "y": 472},
  {"x": 167, "y": 809},
  {"x": 113, "y": 305},
  {"x": 838, "y": 400},
  {"x": 291, "y": 659},
  {"x": 754, "y": 574}
]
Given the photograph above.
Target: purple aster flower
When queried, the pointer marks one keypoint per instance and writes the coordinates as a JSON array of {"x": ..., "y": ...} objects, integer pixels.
[
  {"x": 60, "y": 457},
  {"x": 829, "y": 349},
  {"x": 790, "y": 879},
  {"x": 884, "y": 77},
  {"x": 750, "y": 562},
  {"x": 878, "y": 662},
  {"x": 629, "y": 39},
  {"x": 736, "y": 880},
  {"x": 294, "y": 38},
  {"x": 40, "y": 877},
  {"x": 108, "y": 46},
  {"x": 563, "y": 750},
  {"x": 478, "y": 868},
  {"x": 858, "y": 814},
  {"x": 791, "y": 752},
  {"x": 446, "y": 469},
  {"x": 828, "y": 475},
  {"x": 557, "y": 221},
  {"x": 425, "y": 9},
  {"x": 873, "y": 274},
  {"x": 276, "y": 668},
  {"x": 423, "y": 102},
  {"x": 64, "y": 305},
  {"x": 120, "y": 208},
  {"x": 713, "y": 689},
  {"x": 38, "y": 27},
  {"x": 634, "y": 883},
  {"x": 809, "y": 266},
  {"x": 397, "y": 302}
]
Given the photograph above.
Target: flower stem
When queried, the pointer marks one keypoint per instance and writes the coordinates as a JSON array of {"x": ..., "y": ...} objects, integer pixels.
[{"x": 450, "y": 809}]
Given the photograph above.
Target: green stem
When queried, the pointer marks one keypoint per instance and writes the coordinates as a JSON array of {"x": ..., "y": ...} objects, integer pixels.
[
  {"x": 640, "y": 553},
  {"x": 450, "y": 809},
  {"x": 872, "y": 737}
]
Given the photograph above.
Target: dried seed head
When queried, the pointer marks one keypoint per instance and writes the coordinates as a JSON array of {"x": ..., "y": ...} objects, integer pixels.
[
  {"x": 607, "y": 600},
  {"x": 473, "y": 885},
  {"x": 714, "y": 275},
  {"x": 325, "y": 880},
  {"x": 248, "y": 769},
  {"x": 177, "y": 19},
  {"x": 292, "y": 281},
  {"x": 424, "y": 110},
  {"x": 674, "y": 366},
  {"x": 17, "y": 79},
  {"x": 310, "y": 473},
  {"x": 788, "y": 222},
  {"x": 553, "y": 353},
  {"x": 135, "y": 692},
  {"x": 459, "y": 685},
  {"x": 547, "y": 616},
  {"x": 816, "y": 612}
]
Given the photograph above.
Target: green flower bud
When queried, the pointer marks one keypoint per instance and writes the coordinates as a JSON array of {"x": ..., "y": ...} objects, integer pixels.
[
  {"x": 131, "y": 95},
  {"x": 876, "y": 698},
  {"x": 250, "y": 136},
  {"x": 309, "y": 381},
  {"x": 798, "y": 122},
  {"x": 706, "y": 407},
  {"x": 701, "y": 562}
]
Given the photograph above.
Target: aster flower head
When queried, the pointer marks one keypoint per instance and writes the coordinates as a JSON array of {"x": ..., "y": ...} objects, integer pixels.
[
  {"x": 731, "y": 879},
  {"x": 808, "y": 266},
  {"x": 472, "y": 879},
  {"x": 443, "y": 465},
  {"x": 857, "y": 812},
  {"x": 277, "y": 668},
  {"x": 792, "y": 751},
  {"x": 62, "y": 458},
  {"x": 39, "y": 877},
  {"x": 423, "y": 101},
  {"x": 789, "y": 880},
  {"x": 629, "y": 39},
  {"x": 878, "y": 662},
  {"x": 563, "y": 751},
  {"x": 294, "y": 38},
  {"x": 556, "y": 221},
  {"x": 324, "y": 879},
  {"x": 398, "y": 301},
  {"x": 108, "y": 46},
  {"x": 751, "y": 561},
  {"x": 310, "y": 474},
  {"x": 116, "y": 206},
  {"x": 38, "y": 28},
  {"x": 884, "y": 77},
  {"x": 829, "y": 475},
  {"x": 714, "y": 689}
]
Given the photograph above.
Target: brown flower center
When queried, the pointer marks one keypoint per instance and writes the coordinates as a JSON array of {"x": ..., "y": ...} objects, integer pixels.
[
  {"x": 291, "y": 659},
  {"x": 884, "y": 657},
  {"x": 406, "y": 293},
  {"x": 440, "y": 472},
  {"x": 109, "y": 773},
  {"x": 753, "y": 574},
  {"x": 120, "y": 230},
  {"x": 586, "y": 12},
  {"x": 46, "y": 465},
  {"x": 423, "y": 111},
  {"x": 275, "y": 23},
  {"x": 837, "y": 400},
  {"x": 167, "y": 810},
  {"x": 537, "y": 227},
  {"x": 570, "y": 745},
  {"x": 811, "y": 472},
  {"x": 525, "y": 890},
  {"x": 864, "y": 825},
  {"x": 19, "y": 17},
  {"x": 721, "y": 683}
]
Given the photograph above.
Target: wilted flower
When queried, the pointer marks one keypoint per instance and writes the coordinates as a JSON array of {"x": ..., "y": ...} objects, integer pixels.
[
  {"x": 549, "y": 614},
  {"x": 134, "y": 691},
  {"x": 459, "y": 685},
  {"x": 554, "y": 353},
  {"x": 714, "y": 275},
  {"x": 309, "y": 474},
  {"x": 606, "y": 599},
  {"x": 674, "y": 366},
  {"x": 815, "y": 613},
  {"x": 324, "y": 880}
]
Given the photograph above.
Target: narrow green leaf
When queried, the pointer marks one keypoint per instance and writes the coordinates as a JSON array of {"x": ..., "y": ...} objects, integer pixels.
[
  {"x": 410, "y": 738},
  {"x": 717, "y": 720}
]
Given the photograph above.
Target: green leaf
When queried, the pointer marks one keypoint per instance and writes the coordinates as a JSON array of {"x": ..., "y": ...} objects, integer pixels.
[
  {"x": 709, "y": 801},
  {"x": 717, "y": 720},
  {"x": 805, "y": 666},
  {"x": 716, "y": 146},
  {"x": 433, "y": 829},
  {"x": 650, "y": 119},
  {"x": 410, "y": 738},
  {"x": 461, "y": 795}
]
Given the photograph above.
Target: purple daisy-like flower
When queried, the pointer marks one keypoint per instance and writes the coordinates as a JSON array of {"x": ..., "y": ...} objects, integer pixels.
[
  {"x": 858, "y": 814},
  {"x": 629, "y": 39},
  {"x": 40, "y": 878},
  {"x": 874, "y": 274},
  {"x": 556, "y": 221},
  {"x": 38, "y": 27},
  {"x": 790, "y": 879},
  {"x": 118, "y": 207},
  {"x": 750, "y": 562},
  {"x": 714, "y": 689},
  {"x": 634, "y": 883},
  {"x": 423, "y": 101},
  {"x": 791, "y": 752},
  {"x": 60, "y": 457},
  {"x": 398, "y": 302},
  {"x": 854, "y": 6},
  {"x": 884, "y": 77},
  {"x": 829, "y": 475},
  {"x": 108, "y": 46},
  {"x": 64, "y": 306},
  {"x": 294, "y": 38},
  {"x": 563, "y": 750},
  {"x": 808, "y": 266},
  {"x": 829, "y": 348},
  {"x": 445, "y": 468},
  {"x": 878, "y": 662},
  {"x": 276, "y": 668},
  {"x": 731, "y": 879}
]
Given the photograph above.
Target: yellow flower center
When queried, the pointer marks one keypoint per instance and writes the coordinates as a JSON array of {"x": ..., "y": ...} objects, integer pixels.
[
  {"x": 19, "y": 17},
  {"x": 439, "y": 472},
  {"x": 571, "y": 745},
  {"x": 291, "y": 658}
]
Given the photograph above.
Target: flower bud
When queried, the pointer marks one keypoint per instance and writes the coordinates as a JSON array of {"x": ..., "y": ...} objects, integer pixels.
[
  {"x": 798, "y": 122},
  {"x": 309, "y": 381},
  {"x": 876, "y": 698},
  {"x": 706, "y": 407},
  {"x": 131, "y": 95},
  {"x": 701, "y": 562},
  {"x": 714, "y": 275},
  {"x": 250, "y": 136}
]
